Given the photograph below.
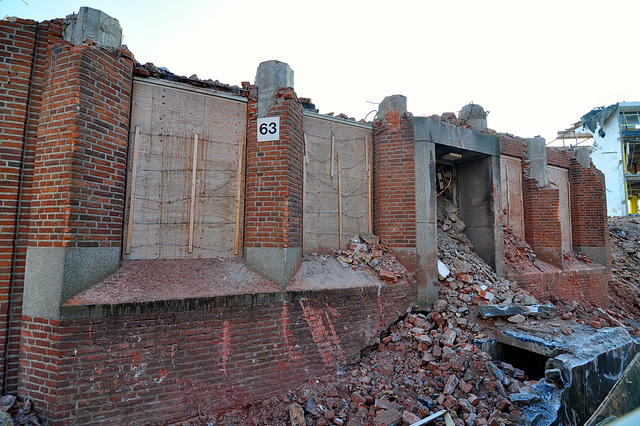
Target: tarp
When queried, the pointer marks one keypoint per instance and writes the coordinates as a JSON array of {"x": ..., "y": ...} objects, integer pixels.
[{"x": 598, "y": 116}]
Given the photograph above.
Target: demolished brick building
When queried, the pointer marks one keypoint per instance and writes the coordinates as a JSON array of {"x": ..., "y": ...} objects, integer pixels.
[{"x": 106, "y": 162}]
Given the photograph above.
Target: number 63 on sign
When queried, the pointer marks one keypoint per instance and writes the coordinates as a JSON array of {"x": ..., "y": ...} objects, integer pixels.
[{"x": 268, "y": 129}]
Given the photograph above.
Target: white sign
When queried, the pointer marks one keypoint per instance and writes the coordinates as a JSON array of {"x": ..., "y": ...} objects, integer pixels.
[{"x": 268, "y": 129}]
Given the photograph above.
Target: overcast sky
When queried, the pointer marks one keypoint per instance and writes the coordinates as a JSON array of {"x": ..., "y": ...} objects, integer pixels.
[{"x": 536, "y": 66}]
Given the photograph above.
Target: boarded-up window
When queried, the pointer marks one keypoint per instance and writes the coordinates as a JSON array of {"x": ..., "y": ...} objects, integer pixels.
[
  {"x": 511, "y": 185},
  {"x": 337, "y": 196},
  {"x": 559, "y": 178},
  {"x": 184, "y": 189}
]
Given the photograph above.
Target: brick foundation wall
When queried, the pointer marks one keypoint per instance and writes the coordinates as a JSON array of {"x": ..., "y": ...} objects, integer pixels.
[
  {"x": 112, "y": 365},
  {"x": 394, "y": 209},
  {"x": 541, "y": 221},
  {"x": 273, "y": 200}
]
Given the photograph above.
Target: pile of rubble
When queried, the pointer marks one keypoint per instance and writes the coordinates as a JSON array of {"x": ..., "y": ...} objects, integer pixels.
[
  {"x": 16, "y": 412},
  {"x": 367, "y": 251},
  {"x": 624, "y": 289},
  {"x": 432, "y": 361}
]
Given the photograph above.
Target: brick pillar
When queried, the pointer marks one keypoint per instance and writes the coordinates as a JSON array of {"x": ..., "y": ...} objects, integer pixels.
[
  {"x": 541, "y": 203},
  {"x": 25, "y": 45},
  {"x": 590, "y": 228},
  {"x": 78, "y": 198},
  {"x": 404, "y": 210},
  {"x": 273, "y": 197}
]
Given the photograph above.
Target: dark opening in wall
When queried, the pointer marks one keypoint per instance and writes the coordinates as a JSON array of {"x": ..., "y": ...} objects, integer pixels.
[{"x": 531, "y": 363}]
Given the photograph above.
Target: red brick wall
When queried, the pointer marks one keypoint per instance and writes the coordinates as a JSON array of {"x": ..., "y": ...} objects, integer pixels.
[
  {"x": 512, "y": 145},
  {"x": 40, "y": 348},
  {"x": 168, "y": 365},
  {"x": 19, "y": 116},
  {"x": 558, "y": 158},
  {"x": 394, "y": 209},
  {"x": 542, "y": 221},
  {"x": 574, "y": 284},
  {"x": 80, "y": 160},
  {"x": 273, "y": 200}
]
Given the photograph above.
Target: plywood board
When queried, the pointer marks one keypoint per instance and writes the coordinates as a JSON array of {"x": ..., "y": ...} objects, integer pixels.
[
  {"x": 559, "y": 178},
  {"x": 321, "y": 218},
  {"x": 511, "y": 185},
  {"x": 168, "y": 119}
]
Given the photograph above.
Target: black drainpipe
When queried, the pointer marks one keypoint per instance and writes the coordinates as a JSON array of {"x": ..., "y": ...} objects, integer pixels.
[{"x": 16, "y": 231}]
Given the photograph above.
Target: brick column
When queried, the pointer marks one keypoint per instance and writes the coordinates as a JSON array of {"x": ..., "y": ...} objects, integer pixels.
[
  {"x": 541, "y": 203},
  {"x": 273, "y": 200},
  {"x": 404, "y": 210},
  {"x": 590, "y": 228},
  {"x": 24, "y": 62},
  {"x": 78, "y": 198}
]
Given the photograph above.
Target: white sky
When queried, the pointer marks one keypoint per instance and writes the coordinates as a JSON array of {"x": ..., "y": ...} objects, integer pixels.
[{"x": 537, "y": 66}]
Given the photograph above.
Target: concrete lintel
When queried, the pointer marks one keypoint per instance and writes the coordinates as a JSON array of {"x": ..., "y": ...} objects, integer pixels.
[
  {"x": 55, "y": 274},
  {"x": 95, "y": 25},
  {"x": 430, "y": 130},
  {"x": 278, "y": 264},
  {"x": 271, "y": 75},
  {"x": 537, "y": 153}
]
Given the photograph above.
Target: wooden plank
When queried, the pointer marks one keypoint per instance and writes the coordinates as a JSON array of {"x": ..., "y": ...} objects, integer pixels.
[
  {"x": 192, "y": 205},
  {"x": 332, "y": 153},
  {"x": 369, "y": 186},
  {"x": 305, "y": 163},
  {"x": 236, "y": 236},
  {"x": 132, "y": 190},
  {"x": 340, "y": 247}
]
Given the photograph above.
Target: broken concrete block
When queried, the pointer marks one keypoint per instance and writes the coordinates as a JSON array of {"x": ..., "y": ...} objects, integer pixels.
[
  {"x": 296, "y": 415},
  {"x": 554, "y": 375},
  {"x": 516, "y": 319},
  {"x": 523, "y": 399},
  {"x": 443, "y": 271},
  {"x": 542, "y": 311}
]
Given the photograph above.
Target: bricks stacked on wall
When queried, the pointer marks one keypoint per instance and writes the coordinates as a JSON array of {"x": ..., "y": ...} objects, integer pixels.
[
  {"x": 394, "y": 211},
  {"x": 273, "y": 200},
  {"x": 23, "y": 47},
  {"x": 80, "y": 160},
  {"x": 184, "y": 362},
  {"x": 542, "y": 221}
]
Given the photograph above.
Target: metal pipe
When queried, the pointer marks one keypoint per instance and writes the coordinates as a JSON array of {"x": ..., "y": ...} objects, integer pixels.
[{"x": 16, "y": 229}]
